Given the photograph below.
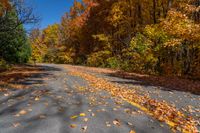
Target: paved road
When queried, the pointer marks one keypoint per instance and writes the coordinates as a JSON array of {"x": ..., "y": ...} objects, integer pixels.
[{"x": 57, "y": 102}]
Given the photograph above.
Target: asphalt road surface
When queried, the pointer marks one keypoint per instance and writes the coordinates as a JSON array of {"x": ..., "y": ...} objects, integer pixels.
[{"x": 57, "y": 103}]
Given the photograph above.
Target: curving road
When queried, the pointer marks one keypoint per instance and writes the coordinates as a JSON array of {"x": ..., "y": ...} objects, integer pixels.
[{"x": 58, "y": 102}]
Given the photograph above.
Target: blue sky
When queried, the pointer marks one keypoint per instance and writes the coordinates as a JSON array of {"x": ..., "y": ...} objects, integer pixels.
[{"x": 50, "y": 11}]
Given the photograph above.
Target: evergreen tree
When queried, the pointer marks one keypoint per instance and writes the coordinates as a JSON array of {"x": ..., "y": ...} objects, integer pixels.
[{"x": 14, "y": 45}]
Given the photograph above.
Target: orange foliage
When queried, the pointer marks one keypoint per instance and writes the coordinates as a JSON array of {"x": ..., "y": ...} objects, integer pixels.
[{"x": 4, "y": 5}]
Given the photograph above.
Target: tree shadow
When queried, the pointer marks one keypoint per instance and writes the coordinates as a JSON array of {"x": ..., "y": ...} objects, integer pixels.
[
  {"x": 164, "y": 83},
  {"x": 34, "y": 122},
  {"x": 20, "y": 99},
  {"x": 25, "y": 75}
]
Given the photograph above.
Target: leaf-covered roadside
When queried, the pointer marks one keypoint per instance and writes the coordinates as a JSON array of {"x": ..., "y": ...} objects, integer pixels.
[
  {"x": 172, "y": 82},
  {"x": 160, "y": 110},
  {"x": 12, "y": 78}
]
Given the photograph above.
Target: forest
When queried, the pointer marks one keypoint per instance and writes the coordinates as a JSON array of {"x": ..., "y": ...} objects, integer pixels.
[
  {"x": 160, "y": 37},
  {"x": 146, "y": 36}
]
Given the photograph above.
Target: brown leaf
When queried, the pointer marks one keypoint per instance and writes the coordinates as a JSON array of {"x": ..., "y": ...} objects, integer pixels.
[
  {"x": 84, "y": 128},
  {"x": 22, "y": 112},
  {"x": 116, "y": 122},
  {"x": 73, "y": 125}
]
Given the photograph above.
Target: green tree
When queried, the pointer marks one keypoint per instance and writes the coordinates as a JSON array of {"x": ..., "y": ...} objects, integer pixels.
[{"x": 14, "y": 46}]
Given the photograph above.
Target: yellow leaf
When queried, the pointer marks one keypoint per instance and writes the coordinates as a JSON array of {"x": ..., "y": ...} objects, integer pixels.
[
  {"x": 82, "y": 114},
  {"x": 132, "y": 131},
  {"x": 74, "y": 117},
  {"x": 37, "y": 99}
]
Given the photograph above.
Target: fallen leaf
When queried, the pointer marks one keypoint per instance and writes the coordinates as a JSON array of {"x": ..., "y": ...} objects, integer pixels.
[
  {"x": 16, "y": 124},
  {"x": 130, "y": 124},
  {"x": 6, "y": 95},
  {"x": 42, "y": 116},
  {"x": 84, "y": 128},
  {"x": 61, "y": 109},
  {"x": 22, "y": 112},
  {"x": 30, "y": 109},
  {"x": 59, "y": 97},
  {"x": 37, "y": 99},
  {"x": 73, "y": 126},
  {"x": 17, "y": 115},
  {"x": 103, "y": 110},
  {"x": 85, "y": 119},
  {"x": 132, "y": 131},
  {"x": 127, "y": 110},
  {"x": 73, "y": 117},
  {"x": 108, "y": 124},
  {"x": 82, "y": 114},
  {"x": 114, "y": 109},
  {"x": 116, "y": 122}
]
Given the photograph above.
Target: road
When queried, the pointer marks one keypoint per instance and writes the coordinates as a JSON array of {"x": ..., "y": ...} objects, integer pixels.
[{"x": 57, "y": 101}]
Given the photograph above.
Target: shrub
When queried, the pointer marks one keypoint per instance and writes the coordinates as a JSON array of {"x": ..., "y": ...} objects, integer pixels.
[
  {"x": 3, "y": 65},
  {"x": 64, "y": 59},
  {"x": 98, "y": 59},
  {"x": 113, "y": 62}
]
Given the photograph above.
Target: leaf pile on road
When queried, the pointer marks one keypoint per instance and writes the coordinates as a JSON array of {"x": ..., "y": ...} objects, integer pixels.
[{"x": 160, "y": 110}]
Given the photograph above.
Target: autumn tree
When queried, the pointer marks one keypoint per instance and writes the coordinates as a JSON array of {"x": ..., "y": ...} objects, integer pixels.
[{"x": 4, "y": 6}]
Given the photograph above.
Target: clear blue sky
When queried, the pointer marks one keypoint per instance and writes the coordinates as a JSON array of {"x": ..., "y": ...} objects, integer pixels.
[{"x": 50, "y": 11}]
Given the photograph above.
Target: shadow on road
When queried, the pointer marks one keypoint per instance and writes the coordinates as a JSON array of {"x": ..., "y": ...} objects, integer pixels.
[
  {"x": 44, "y": 101},
  {"x": 165, "y": 83}
]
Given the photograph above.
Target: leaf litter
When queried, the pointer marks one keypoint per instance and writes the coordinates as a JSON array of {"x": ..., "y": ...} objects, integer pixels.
[{"x": 162, "y": 111}]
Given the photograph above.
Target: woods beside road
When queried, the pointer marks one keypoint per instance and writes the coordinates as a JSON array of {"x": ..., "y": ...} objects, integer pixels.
[{"x": 159, "y": 37}]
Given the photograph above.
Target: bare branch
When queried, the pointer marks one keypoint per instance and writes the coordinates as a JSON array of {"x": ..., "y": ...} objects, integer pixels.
[{"x": 24, "y": 15}]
